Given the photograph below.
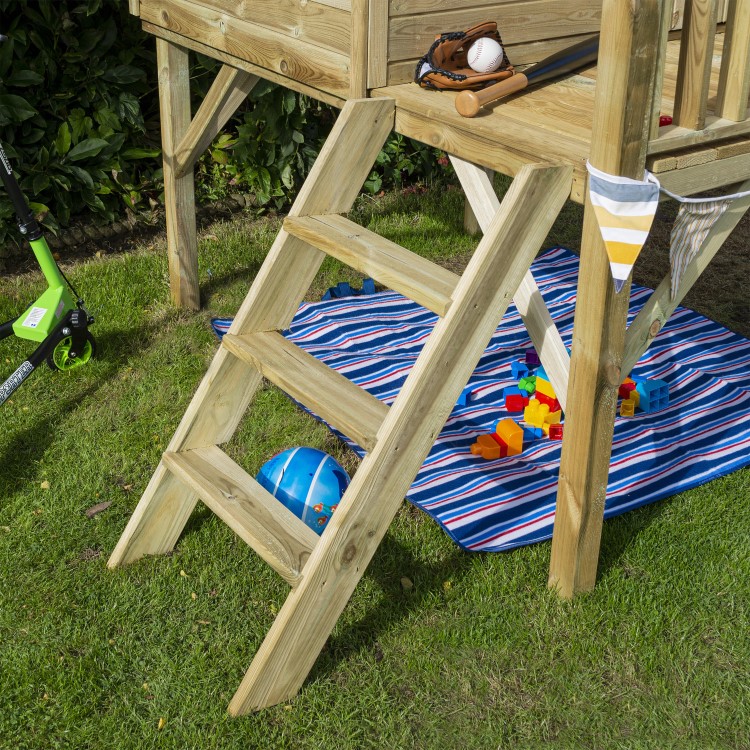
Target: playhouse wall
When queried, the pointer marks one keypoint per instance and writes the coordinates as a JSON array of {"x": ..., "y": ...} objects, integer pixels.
[
  {"x": 530, "y": 29},
  {"x": 338, "y": 49}
]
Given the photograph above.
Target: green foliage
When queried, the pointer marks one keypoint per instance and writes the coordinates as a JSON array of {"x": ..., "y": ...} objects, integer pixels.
[
  {"x": 75, "y": 77},
  {"x": 79, "y": 119}
]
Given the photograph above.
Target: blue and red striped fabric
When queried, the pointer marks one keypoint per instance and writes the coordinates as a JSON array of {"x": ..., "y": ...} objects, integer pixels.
[{"x": 498, "y": 505}]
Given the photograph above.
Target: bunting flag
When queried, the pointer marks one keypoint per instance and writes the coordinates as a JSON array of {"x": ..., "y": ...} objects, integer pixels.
[
  {"x": 624, "y": 210},
  {"x": 693, "y": 223}
]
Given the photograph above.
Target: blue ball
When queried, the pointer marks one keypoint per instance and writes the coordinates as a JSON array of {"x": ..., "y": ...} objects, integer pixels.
[{"x": 309, "y": 482}]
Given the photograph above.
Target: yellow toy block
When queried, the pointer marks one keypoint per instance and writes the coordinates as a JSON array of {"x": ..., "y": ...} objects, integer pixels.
[
  {"x": 554, "y": 417},
  {"x": 627, "y": 407},
  {"x": 545, "y": 387}
]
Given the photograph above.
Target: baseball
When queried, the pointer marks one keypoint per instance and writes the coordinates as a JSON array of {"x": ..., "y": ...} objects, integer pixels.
[{"x": 485, "y": 55}]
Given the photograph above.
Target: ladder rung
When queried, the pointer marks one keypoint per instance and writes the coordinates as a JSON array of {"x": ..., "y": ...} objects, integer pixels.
[
  {"x": 334, "y": 398},
  {"x": 417, "y": 278},
  {"x": 254, "y": 514}
]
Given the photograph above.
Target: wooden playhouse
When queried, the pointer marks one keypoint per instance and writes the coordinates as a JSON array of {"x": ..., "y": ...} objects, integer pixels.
[{"x": 360, "y": 55}]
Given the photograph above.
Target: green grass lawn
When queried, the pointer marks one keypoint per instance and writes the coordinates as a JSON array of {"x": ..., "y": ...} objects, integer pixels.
[{"x": 478, "y": 654}]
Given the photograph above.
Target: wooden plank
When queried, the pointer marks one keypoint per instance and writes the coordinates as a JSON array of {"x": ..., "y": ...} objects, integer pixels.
[
  {"x": 545, "y": 337},
  {"x": 659, "y": 307},
  {"x": 359, "y": 48},
  {"x": 734, "y": 79},
  {"x": 665, "y": 22},
  {"x": 377, "y": 44},
  {"x": 377, "y": 489},
  {"x": 331, "y": 396},
  {"x": 716, "y": 129},
  {"x": 228, "y": 91},
  {"x": 179, "y": 191},
  {"x": 230, "y": 383},
  {"x": 709, "y": 176},
  {"x": 155, "y": 527},
  {"x": 254, "y": 514},
  {"x": 410, "y": 36},
  {"x": 620, "y": 131},
  {"x": 694, "y": 69},
  {"x": 417, "y": 278},
  {"x": 134, "y": 7},
  {"x": 310, "y": 22},
  {"x": 298, "y": 60},
  {"x": 236, "y": 62}
]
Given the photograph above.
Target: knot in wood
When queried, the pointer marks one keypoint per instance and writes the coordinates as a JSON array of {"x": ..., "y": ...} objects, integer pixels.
[
  {"x": 349, "y": 553},
  {"x": 655, "y": 328},
  {"x": 613, "y": 374}
]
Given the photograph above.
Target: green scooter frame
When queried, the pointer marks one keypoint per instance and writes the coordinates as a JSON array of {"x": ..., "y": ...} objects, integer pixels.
[{"x": 57, "y": 320}]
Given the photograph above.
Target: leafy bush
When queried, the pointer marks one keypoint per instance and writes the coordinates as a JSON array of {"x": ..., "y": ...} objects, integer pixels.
[
  {"x": 75, "y": 100},
  {"x": 79, "y": 118}
]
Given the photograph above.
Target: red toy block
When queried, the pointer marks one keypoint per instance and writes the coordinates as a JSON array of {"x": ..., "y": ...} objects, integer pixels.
[
  {"x": 553, "y": 403},
  {"x": 555, "y": 432},
  {"x": 516, "y": 402}
]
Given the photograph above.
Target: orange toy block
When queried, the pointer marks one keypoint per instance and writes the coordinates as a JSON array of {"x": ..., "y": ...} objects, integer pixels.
[
  {"x": 511, "y": 435},
  {"x": 487, "y": 447}
]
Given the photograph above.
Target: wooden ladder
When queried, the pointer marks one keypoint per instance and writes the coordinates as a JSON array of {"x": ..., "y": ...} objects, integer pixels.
[{"x": 323, "y": 571}]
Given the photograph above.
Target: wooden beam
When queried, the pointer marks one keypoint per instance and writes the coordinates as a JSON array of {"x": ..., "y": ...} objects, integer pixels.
[
  {"x": 621, "y": 126},
  {"x": 228, "y": 91},
  {"x": 734, "y": 77},
  {"x": 694, "y": 67},
  {"x": 179, "y": 192},
  {"x": 360, "y": 17},
  {"x": 480, "y": 194}
]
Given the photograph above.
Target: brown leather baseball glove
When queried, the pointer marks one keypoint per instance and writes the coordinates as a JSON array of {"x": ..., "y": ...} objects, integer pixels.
[{"x": 445, "y": 65}]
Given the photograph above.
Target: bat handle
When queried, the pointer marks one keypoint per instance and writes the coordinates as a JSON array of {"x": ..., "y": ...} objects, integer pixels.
[{"x": 468, "y": 103}]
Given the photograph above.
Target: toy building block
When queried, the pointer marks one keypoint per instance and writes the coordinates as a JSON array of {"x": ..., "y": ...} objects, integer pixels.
[
  {"x": 511, "y": 435},
  {"x": 555, "y": 432},
  {"x": 553, "y": 403},
  {"x": 627, "y": 387},
  {"x": 627, "y": 407},
  {"x": 528, "y": 384},
  {"x": 515, "y": 399},
  {"x": 466, "y": 395},
  {"x": 535, "y": 413},
  {"x": 488, "y": 448},
  {"x": 532, "y": 433},
  {"x": 654, "y": 395},
  {"x": 532, "y": 358},
  {"x": 519, "y": 370}
]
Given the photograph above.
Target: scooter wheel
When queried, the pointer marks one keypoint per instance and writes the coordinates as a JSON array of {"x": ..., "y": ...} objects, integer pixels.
[{"x": 60, "y": 358}]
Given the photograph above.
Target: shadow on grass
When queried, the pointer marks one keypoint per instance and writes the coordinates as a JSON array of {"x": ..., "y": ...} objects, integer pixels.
[{"x": 392, "y": 561}]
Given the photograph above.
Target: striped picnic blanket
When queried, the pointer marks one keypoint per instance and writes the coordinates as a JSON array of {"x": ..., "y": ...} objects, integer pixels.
[{"x": 497, "y": 505}]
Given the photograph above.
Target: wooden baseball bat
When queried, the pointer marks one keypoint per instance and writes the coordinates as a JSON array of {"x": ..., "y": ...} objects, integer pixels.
[{"x": 468, "y": 103}]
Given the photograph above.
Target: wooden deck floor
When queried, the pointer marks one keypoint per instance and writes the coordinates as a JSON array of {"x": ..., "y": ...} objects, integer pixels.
[{"x": 553, "y": 123}]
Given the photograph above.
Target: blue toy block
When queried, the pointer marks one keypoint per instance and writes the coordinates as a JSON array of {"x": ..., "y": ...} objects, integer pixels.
[
  {"x": 344, "y": 289},
  {"x": 519, "y": 370},
  {"x": 466, "y": 395},
  {"x": 654, "y": 395},
  {"x": 532, "y": 433}
]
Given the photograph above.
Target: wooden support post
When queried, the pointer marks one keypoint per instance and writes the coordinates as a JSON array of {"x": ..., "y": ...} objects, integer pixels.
[
  {"x": 405, "y": 438},
  {"x": 694, "y": 70},
  {"x": 179, "y": 192},
  {"x": 734, "y": 78},
  {"x": 621, "y": 126},
  {"x": 472, "y": 224},
  {"x": 230, "y": 383}
]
